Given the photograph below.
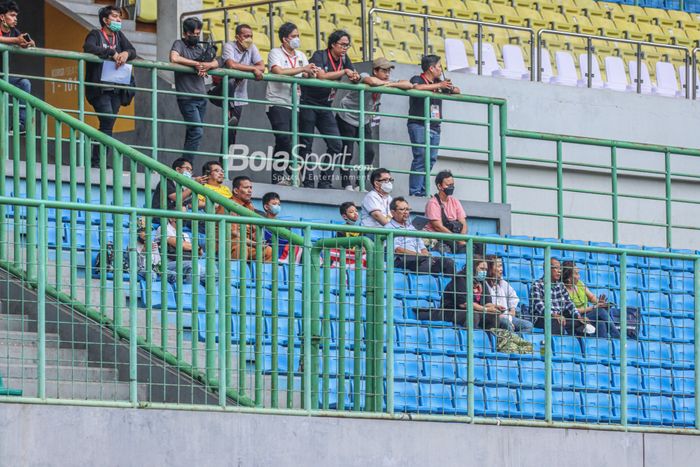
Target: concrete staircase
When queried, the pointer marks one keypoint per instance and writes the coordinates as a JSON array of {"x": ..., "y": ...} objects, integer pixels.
[{"x": 85, "y": 12}]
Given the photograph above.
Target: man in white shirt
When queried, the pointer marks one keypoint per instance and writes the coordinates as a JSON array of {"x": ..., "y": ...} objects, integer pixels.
[
  {"x": 285, "y": 60},
  {"x": 375, "y": 205}
]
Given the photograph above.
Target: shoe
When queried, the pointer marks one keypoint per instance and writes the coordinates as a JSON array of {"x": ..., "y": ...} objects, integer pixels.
[{"x": 589, "y": 329}]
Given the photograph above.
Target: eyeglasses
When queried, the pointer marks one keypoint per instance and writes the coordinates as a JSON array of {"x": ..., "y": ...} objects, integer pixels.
[
  {"x": 385, "y": 180},
  {"x": 403, "y": 209},
  {"x": 344, "y": 45}
]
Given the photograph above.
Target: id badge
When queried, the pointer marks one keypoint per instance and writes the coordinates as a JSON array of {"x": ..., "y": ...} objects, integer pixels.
[{"x": 435, "y": 111}]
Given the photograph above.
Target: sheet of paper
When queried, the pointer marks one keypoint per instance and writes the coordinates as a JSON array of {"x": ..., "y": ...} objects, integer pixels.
[{"x": 112, "y": 74}]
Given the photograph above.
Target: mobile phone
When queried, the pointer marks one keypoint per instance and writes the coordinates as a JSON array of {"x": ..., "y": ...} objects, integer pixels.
[{"x": 27, "y": 37}]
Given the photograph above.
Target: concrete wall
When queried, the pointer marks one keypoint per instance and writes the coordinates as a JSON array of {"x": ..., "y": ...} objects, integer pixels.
[{"x": 35, "y": 435}]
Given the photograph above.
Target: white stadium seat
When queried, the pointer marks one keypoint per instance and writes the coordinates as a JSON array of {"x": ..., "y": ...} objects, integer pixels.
[
  {"x": 456, "y": 56},
  {"x": 681, "y": 75},
  {"x": 596, "y": 79},
  {"x": 547, "y": 73},
  {"x": 514, "y": 63},
  {"x": 646, "y": 80},
  {"x": 489, "y": 63},
  {"x": 666, "y": 81},
  {"x": 566, "y": 69},
  {"x": 616, "y": 74}
]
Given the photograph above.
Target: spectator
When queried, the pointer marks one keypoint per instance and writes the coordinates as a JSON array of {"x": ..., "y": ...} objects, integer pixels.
[
  {"x": 349, "y": 122},
  {"x": 272, "y": 207},
  {"x": 187, "y": 252},
  {"x": 446, "y": 214},
  {"x": 454, "y": 299},
  {"x": 108, "y": 43},
  {"x": 184, "y": 167},
  {"x": 213, "y": 178},
  {"x": 565, "y": 317},
  {"x": 332, "y": 64},
  {"x": 411, "y": 253},
  {"x": 143, "y": 267},
  {"x": 241, "y": 55},
  {"x": 375, "y": 205},
  {"x": 243, "y": 195},
  {"x": 349, "y": 213},
  {"x": 597, "y": 313},
  {"x": 429, "y": 80},
  {"x": 10, "y": 35},
  {"x": 188, "y": 52},
  {"x": 285, "y": 60},
  {"x": 504, "y": 297}
]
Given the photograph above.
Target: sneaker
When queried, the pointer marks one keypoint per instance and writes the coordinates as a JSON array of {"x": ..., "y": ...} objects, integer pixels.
[{"x": 589, "y": 329}]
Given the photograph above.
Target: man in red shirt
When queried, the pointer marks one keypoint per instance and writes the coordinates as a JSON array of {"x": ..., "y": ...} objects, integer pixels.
[{"x": 446, "y": 214}]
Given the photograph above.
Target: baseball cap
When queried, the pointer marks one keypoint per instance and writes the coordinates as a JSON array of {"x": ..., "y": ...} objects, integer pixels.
[{"x": 382, "y": 63}]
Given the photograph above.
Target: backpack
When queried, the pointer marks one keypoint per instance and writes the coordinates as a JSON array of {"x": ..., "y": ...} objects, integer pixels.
[{"x": 633, "y": 321}]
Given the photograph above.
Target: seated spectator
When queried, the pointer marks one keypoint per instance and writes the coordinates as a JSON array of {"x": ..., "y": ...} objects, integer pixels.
[
  {"x": 213, "y": 179},
  {"x": 184, "y": 167},
  {"x": 243, "y": 195},
  {"x": 187, "y": 252},
  {"x": 410, "y": 252},
  {"x": 142, "y": 265},
  {"x": 375, "y": 205},
  {"x": 272, "y": 206},
  {"x": 10, "y": 35},
  {"x": 349, "y": 213},
  {"x": 108, "y": 43},
  {"x": 454, "y": 299},
  {"x": 597, "y": 312},
  {"x": 504, "y": 297},
  {"x": 446, "y": 214},
  {"x": 565, "y": 317}
]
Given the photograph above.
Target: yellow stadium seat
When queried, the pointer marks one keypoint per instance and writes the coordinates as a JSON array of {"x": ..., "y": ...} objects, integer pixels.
[
  {"x": 635, "y": 12},
  {"x": 581, "y": 23},
  {"x": 619, "y": 16},
  {"x": 527, "y": 4},
  {"x": 383, "y": 34},
  {"x": 436, "y": 9},
  {"x": 398, "y": 56},
  {"x": 587, "y": 4},
  {"x": 507, "y": 14},
  {"x": 481, "y": 9},
  {"x": 147, "y": 11},
  {"x": 436, "y": 42},
  {"x": 564, "y": 27},
  {"x": 681, "y": 17},
  {"x": 596, "y": 14},
  {"x": 553, "y": 17},
  {"x": 339, "y": 14},
  {"x": 385, "y": 4},
  {"x": 531, "y": 17},
  {"x": 411, "y": 6},
  {"x": 604, "y": 25},
  {"x": 262, "y": 42}
]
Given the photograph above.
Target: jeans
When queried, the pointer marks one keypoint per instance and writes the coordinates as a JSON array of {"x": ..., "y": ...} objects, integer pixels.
[
  {"x": 416, "y": 133},
  {"x": 516, "y": 325},
  {"x": 107, "y": 103},
  {"x": 348, "y": 130},
  {"x": 281, "y": 120},
  {"x": 325, "y": 122},
  {"x": 26, "y": 86},
  {"x": 604, "y": 326},
  {"x": 193, "y": 111}
]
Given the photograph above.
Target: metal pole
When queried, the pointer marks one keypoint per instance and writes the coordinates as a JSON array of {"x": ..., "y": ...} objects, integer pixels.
[
  {"x": 687, "y": 74},
  {"x": 470, "y": 328},
  {"x": 639, "y": 68},
  {"x": 317, "y": 24},
  {"x": 589, "y": 58},
  {"x": 560, "y": 192},
  {"x": 363, "y": 22},
  {"x": 133, "y": 316},
  {"x": 390, "y": 324},
  {"x": 479, "y": 41},
  {"x": 669, "y": 220},
  {"x": 695, "y": 74},
  {"x": 539, "y": 56},
  {"x": 533, "y": 76},
  {"x": 696, "y": 288},
  {"x": 370, "y": 33},
  {"x": 615, "y": 201},
  {"x": 548, "y": 334},
  {"x": 41, "y": 301},
  {"x": 271, "y": 25},
  {"x": 425, "y": 35},
  {"x": 306, "y": 325},
  {"x": 490, "y": 151},
  {"x": 224, "y": 336},
  {"x": 623, "y": 339}
]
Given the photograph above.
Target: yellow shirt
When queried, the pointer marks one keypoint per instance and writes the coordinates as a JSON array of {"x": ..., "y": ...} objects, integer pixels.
[{"x": 223, "y": 190}]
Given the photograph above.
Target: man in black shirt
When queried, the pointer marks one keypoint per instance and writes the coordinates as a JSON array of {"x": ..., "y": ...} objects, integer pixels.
[
  {"x": 182, "y": 166},
  {"x": 333, "y": 64},
  {"x": 429, "y": 80},
  {"x": 10, "y": 35}
]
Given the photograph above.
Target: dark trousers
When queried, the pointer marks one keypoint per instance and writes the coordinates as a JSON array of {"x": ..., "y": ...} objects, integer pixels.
[
  {"x": 572, "y": 327},
  {"x": 459, "y": 317},
  {"x": 351, "y": 131},
  {"x": 425, "y": 264},
  {"x": 324, "y": 121},
  {"x": 281, "y": 120},
  {"x": 604, "y": 326},
  {"x": 235, "y": 112},
  {"x": 193, "y": 112},
  {"x": 108, "y": 104},
  {"x": 25, "y": 85}
]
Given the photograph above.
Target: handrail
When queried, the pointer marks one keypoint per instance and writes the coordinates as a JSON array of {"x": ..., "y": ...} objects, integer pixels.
[{"x": 694, "y": 62}]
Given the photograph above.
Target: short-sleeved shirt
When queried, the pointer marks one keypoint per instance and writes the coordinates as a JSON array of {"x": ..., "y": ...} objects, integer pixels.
[
  {"x": 579, "y": 296},
  {"x": 413, "y": 244},
  {"x": 170, "y": 189},
  {"x": 281, "y": 93},
  {"x": 415, "y": 105},
  {"x": 242, "y": 57},
  {"x": 223, "y": 190},
  {"x": 324, "y": 60},
  {"x": 373, "y": 201},
  {"x": 351, "y": 101},
  {"x": 188, "y": 82},
  {"x": 13, "y": 32},
  {"x": 453, "y": 211}
]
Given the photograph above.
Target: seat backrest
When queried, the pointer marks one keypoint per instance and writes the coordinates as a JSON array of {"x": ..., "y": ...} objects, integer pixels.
[
  {"x": 565, "y": 65},
  {"x": 666, "y": 76},
  {"x": 513, "y": 58},
  {"x": 646, "y": 80},
  {"x": 456, "y": 55},
  {"x": 489, "y": 63},
  {"x": 546, "y": 65},
  {"x": 595, "y": 68},
  {"x": 615, "y": 68}
]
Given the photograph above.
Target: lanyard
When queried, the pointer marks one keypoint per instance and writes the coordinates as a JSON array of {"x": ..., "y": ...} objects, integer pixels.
[
  {"x": 425, "y": 79},
  {"x": 340, "y": 63},
  {"x": 111, "y": 45},
  {"x": 292, "y": 60}
]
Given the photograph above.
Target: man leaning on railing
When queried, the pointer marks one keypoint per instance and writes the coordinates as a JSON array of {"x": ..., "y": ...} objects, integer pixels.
[{"x": 10, "y": 35}]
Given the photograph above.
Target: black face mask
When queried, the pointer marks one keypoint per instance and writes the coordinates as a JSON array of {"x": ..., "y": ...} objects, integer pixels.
[
  {"x": 449, "y": 190},
  {"x": 191, "y": 40}
]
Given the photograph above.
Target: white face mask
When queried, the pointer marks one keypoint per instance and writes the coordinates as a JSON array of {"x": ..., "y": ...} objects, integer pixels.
[
  {"x": 187, "y": 174},
  {"x": 295, "y": 43},
  {"x": 387, "y": 187}
]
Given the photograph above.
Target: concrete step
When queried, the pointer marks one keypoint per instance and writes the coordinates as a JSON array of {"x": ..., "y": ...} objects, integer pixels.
[
  {"x": 106, "y": 391},
  {"x": 21, "y": 338},
  {"x": 60, "y": 373},
  {"x": 15, "y": 323},
  {"x": 29, "y": 354}
]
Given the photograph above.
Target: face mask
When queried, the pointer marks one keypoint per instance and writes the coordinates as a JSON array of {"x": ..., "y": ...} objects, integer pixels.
[
  {"x": 481, "y": 276},
  {"x": 449, "y": 190},
  {"x": 387, "y": 187},
  {"x": 115, "y": 26},
  {"x": 187, "y": 174},
  {"x": 295, "y": 43},
  {"x": 246, "y": 43},
  {"x": 275, "y": 209},
  {"x": 350, "y": 221},
  {"x": 191, "y": 40}
]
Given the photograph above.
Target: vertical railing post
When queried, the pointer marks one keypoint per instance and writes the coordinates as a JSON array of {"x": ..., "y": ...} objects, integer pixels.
[
  {"x": 615, "y": 199},
  {"x": 694, "y": 61},
  {"x": 210, "y": 287},
  {"x": 133, "y": 312},
  {"x": 639, "y": 68},
  {"x": 503, "y": 128},
  {"x": 41, "y": 300},
  {"x": 294, "y": 158},
  {"x": 317, "y": 24},
  {"x": 426, "y": 156},
  {"x": 560, "y": 191},
  {"x": 548, "y": 333},
  {"x": 696, "y": 344},
  {"x": 533, "y": 63},
  {"x": 425, "y": 35},
  {"x": 479, "y": 44},
  {"x": 390, "y": 323},
  {"x": 81, "y": 106},
  {"x": 589, "y": 60},
  {"x": 362, "y": 142},
  {"x": 490, "y": 151},
  {"x": 154, "y": 120},
  {"x": 470, "y": 328},
  {"x": 223, "y": 316},
  {"x": 669, "y": 202},
  {"x": 370, "y": 36},
  {"x": 308, "y": 390},
  {"x": 4, "y": 156},
  {"x": 259, "y": 320},
  {"x": 225, "y": 112},
  {"x": 623, "y": 339},
  {"x": 30, "y": 145},
  {"x": 687, "y": 73},
  {"x": 363, "y": 23}
]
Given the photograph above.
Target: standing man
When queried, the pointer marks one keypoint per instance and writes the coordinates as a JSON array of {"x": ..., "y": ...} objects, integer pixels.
[
  {"x": 333, "y": 64},
  {"x": 285, "y": 60},
  {"x": 241, "y": 55},
  {"x": 188, "y": 52},
  {"x": 349, "y": 122},
  {"x": 430, "y": 80},
  {"x": 10, "y": 35}
]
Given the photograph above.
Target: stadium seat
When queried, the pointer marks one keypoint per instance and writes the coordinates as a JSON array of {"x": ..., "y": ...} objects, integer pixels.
[
  {"x": 514, "y": 63},
  {"x": 683, "y": 330},
  {"x": 684, "y": 382},
  {"x": 684, "y": 411},
  {"x": 636, "y": 381},
  {"x": 489, "y": 62},
  {"x": 456, "y": 56},
  {"x": 645, "y": 80},
  {"x": 424, "y": 286},
  {"x": 566, "y": 405},
  {"x": 461, "y": 399},
  {"x": 615, "y": 74},
  {"x": 683, "y": 355},
  {"x": 411, "y": 307},
  {"x": 682, "y": 77},
  {"x": 682, "y": 304},
  {"x": 566, "y": 375},
  {"x": 596, "y": 350},
  {"x": 532, "y": 374},
  {"x": 599, "y": 407},
  {"x": 444, "y": 340},
  {"x": 532, "y": 403},
  {"x": 439, "y": 368},
  {"x": 597, "y": 377},
  {"x": 483, "y": 344},
  {"x": 666, "y": 81},
  {"x": 657, "y": 328},
  {"x": 436, "y": 398},
  {"x": 657, "y": 280},
  {"x": 566, "y": 348},
  {"x": 405, "y": 396},
  {"x": 657, "y": 303},
  {"x": 518, "y": 269},
  {"x": 412, "y": 338},
  {"x": 501, "y": 402},
  {"x": 566, "y": 69},
  {"x": 596, "y": 77},
  {"x": 481, "y": 370},
  {"x": 682, "y": 283},
  {"x": 408, "y": 366},
  {"x": 658, "y": 380},
  {"x": 659, "y": 409},
  {"x": 504, "y": 373},
  {"x": 520, "y": 251}
]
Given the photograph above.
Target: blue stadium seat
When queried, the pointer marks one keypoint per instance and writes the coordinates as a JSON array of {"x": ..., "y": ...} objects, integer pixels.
[
  {"x": 532, "y": 403},
  {"x": 333, "y": 394},
  {"x": 683, "y": 355},
  {"x": 439, "y": 368},
  {"x": 596, "y": 377},
  {"x": 501, "y": 402},
  {"x": 578, "y": 256},
  {"x": 657, "y": 353},
  {"x": 566, "y": 348},
  {"x": 638, "y": 261},
  {"x": 412, "y": 338},
  {"x": 596, "y": 350},
  {"x": 460, "y": 392},
  {"x": 566, "y": 405},
  {"x": 298, "y": 277},
  {"x": 424, "y": 286},
  {"x": 684, "y": 411},
  {"x": 539, "y": 252},
  {"x": 405, "y": 396},
  {"x": 566, "y": 375},
  {"x": 532, "y": 374},
  {"x": 283, "y": 331},
  {"x": 682, "y": 305},
  {"x": 635, "y": 408},
  {"x": 350, "y": 333},
  {"x": 635, "y": 279},
  {"x": 352, "y": 280},
  {"x": 683, "y": 330},
  {"x": 656, "y": 279},
  {"x": 402, "y": 286},
  {"x": 504, "y": 373},
  {"x": 518, "y": 269},
  {"x": 603, "y": 258},
  {"x": 398, "y": 309},
  {"x": 657, "y": 303},
  {"x": 284, "y": 306},
  {"x": 492, "y": 248},
  {"x": 600, "y": 407},
  {"x": 520, "y": 251},
  {"x": 681, "y": 264},
  {"x": 635, "y": 299},
  {"x": 658, "y": 263},
  {"x": 481, "y": 369},
  {"x": 282, "y": 364},
  {"x": 659, "y": 409},
  {"x": 682, "y": 282},
  {"x": 657, "y": 328},
  {"x": 188, "y": 296},
  {"x": 684, "y": 382},
  {"x": 436, "y": 398},
  {"x": 522, "y": 289},
  {"x": 602, "y": 275},
  {"x": 636, "y": 380},
  {"x": 156, "y": 295},
  {"x": 412, "y": 305},
  {"x": 444, "y": 340},
  {"x": 635, "y": 352},
  {"x": 658, "y": 380},
  {"x": 483, "y": 342}
]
